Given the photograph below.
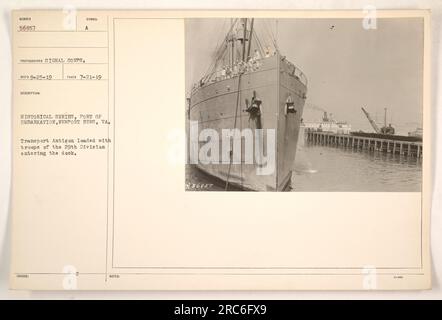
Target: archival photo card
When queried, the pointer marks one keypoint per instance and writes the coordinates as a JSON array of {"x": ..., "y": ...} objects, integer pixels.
[{"x": 129, "y": 125}]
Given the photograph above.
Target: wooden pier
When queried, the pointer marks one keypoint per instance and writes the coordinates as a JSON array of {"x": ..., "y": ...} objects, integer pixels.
[{"x": 405, "y": 148}]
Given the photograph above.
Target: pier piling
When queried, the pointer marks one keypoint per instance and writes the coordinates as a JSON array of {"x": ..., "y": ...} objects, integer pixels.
[{"x": 385, "y": 145}]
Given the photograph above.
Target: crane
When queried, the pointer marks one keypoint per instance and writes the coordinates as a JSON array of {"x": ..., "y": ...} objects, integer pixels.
[
  {"x": 385, "y": 129},
  {"x": 372, "y": 122}
]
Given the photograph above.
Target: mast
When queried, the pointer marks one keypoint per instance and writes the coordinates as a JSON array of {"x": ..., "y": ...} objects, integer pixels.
[
  {"x": 250, "y": 39},
  {"x": 232, "y": 53},
  {"x": 244, "y": 40}
]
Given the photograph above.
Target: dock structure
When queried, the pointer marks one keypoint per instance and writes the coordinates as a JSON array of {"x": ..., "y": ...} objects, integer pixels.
[{"x": 400, "y": 147}]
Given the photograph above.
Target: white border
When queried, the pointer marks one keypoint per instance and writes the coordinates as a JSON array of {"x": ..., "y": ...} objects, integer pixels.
[{"x": 5, "y": 143}]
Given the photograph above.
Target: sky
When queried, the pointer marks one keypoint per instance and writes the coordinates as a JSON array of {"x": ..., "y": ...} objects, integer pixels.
[{"x": 347, "y": 66}]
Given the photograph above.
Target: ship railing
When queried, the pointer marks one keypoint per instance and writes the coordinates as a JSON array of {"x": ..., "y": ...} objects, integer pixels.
[
  {"x": 297, "y": 73},
  {"x": 231, "y": 72},
  {"x": 223, "y": 75},
  {"x": 241, "y": 68}
]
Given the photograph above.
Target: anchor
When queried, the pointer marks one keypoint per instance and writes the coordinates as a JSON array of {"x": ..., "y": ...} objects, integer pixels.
[
  {"x": 254, "y": 109},
  {"x": 289, "y": 105},
  {"x": 255, "y": 106}
]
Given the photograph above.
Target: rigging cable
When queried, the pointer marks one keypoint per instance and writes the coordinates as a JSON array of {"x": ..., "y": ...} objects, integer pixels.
[
  {"x": 236, "y": 114},
  {"x": 218, "y": 52},
  {"x": 269, "y": 31},
  {"x": 217, "y": 47},
  {"x": 234, "y": 127},
  {"x": 258, "y": 44}
]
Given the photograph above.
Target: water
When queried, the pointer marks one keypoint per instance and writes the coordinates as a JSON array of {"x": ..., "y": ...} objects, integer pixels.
[{"x": 322, "y": 169}]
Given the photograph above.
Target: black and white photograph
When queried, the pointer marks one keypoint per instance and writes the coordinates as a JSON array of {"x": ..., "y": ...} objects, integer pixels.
[{"x": 304, "y": 104}]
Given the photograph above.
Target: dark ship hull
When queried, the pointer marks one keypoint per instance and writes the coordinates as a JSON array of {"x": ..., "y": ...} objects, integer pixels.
[{"x": 220, "y": 105}]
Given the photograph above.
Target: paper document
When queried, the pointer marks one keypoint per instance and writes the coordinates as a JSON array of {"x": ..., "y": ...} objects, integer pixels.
[{"x": 221, "y": 150}]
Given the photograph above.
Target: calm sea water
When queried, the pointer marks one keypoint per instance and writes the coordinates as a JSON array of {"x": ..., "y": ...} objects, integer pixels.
[{"x": 321, "y": 168}]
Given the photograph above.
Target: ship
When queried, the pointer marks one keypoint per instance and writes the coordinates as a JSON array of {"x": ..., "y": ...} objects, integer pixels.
[
  {"x": 387, "y": 131},
  {"x": 416, "y": 133},
  {"x": 328, "y": 124},
  {"x": 250, "y": 86}
]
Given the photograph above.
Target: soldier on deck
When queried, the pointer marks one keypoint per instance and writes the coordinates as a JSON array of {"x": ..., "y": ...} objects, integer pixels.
[
  {"x": 223, "y": 73},
  {"x": 267, "y": 52},
  {"x": 228, "y": 72}
]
